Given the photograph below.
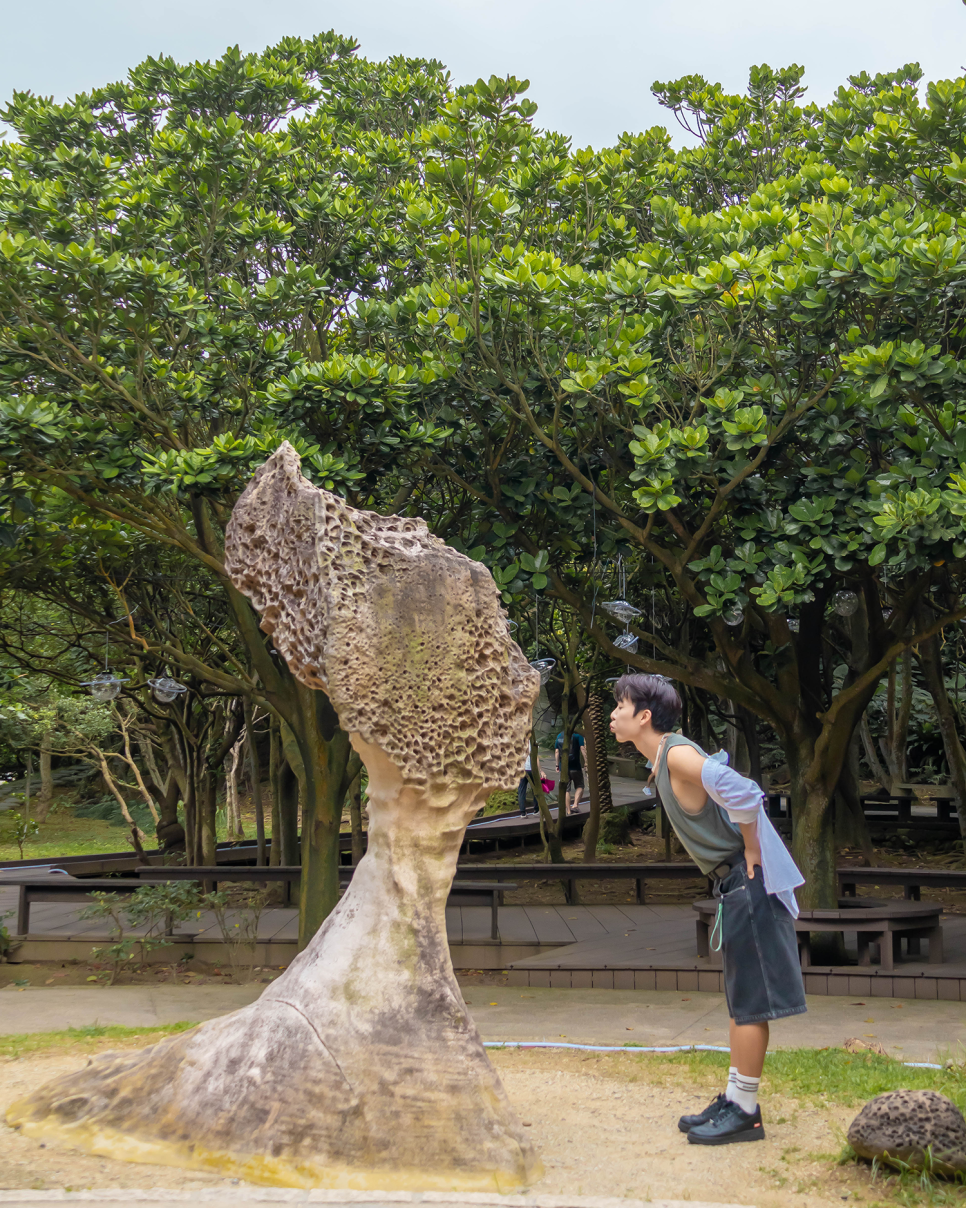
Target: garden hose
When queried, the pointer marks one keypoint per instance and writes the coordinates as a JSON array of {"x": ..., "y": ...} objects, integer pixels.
[{"x": 635, "y": 1048}]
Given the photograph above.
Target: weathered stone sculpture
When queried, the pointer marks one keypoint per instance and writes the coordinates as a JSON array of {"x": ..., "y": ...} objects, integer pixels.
[{"x": 359, "y": 1066}]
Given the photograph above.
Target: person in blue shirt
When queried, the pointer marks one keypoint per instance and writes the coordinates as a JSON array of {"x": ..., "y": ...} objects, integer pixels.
[{"x": 575, "y": 767}]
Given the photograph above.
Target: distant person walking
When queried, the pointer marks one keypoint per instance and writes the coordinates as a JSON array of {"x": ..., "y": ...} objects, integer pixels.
[
  {"x": 575, "y": 767},
  {"x": 522, "y": 788}
]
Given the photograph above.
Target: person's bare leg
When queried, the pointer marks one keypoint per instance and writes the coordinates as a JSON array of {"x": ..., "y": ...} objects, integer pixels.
[{"x": 749, "y": 1043}]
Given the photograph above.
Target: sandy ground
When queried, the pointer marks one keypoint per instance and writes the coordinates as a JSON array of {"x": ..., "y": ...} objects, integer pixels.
[{"x": 604, "y": 1126}]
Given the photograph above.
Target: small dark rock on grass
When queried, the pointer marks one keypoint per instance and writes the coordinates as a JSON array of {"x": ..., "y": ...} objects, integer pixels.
[{"x": 912, "y": 1130}]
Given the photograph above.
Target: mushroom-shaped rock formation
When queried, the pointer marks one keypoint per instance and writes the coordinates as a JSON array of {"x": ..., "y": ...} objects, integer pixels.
[{"x": 359, "y": 1067}]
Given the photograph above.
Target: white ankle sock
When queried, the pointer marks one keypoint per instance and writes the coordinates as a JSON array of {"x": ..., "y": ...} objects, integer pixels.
[
  {"x": 744, "y": 1092},
  {"x": 732, "y": 1075}
]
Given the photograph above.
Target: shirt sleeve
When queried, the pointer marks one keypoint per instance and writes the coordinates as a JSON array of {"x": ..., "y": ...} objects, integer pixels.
[
  {"x": 739, "y": 797},
  {"x": 743, "y": 802}
]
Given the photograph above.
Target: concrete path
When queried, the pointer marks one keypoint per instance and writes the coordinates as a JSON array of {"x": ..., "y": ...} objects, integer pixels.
[
  {"x": 910, "y": 1030},
  {"x": 54, "y": 1008}
]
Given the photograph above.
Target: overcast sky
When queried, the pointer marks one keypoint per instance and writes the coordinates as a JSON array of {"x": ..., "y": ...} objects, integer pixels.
[{"x": 590, "y": 62}]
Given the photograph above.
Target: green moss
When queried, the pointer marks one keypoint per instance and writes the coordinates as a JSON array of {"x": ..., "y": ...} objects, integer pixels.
[{"x": 500, "y": 802}]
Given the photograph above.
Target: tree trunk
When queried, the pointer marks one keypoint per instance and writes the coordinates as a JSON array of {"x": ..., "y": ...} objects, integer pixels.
[
  {"x": 28, "y": 783},
  {"x": 289, "y": 804},
  {"x": 813, "y": 846},
  {"x": 208, "y": 854},
  {"x": 192, "y": 832},
  {"x": 897, "y": 717},
  {"x": 736, "y": 741},
  {"x": 261, "y": 858},
  {"x": 233, "y": 816},
  {"x": 598, "y": 772},
  {"x": 816, "y": 763},
  {"x": 101, "y": 760},
  {"x": 325, "y": 750},
  {"x": 930, "y": 662},
  {"x": 275, "y": 758},
  {"x": 170, "y": 832},
  {"x": 291, "y": 777},
  {"x": 355, "y": 819},
  {"x": 46, "y": 797},
  {"x": 871, "y": 756},
  {"x": 551, "y": 840},
  {"x": 851, "y": 824}
]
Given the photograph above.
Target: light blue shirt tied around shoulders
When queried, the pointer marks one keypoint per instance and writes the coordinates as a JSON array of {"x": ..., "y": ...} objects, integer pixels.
[{"x": 743, "y": 801}]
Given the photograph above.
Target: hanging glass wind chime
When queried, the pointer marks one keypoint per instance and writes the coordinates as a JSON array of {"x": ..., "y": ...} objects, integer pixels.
[
  {"x": 106, "y": 685},
  {"x": 165, "y": 690},
  {"x": 622, "y": 610}
]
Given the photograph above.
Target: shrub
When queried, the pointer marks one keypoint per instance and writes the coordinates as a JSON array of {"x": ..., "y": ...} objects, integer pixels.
[
  {"x": 238, "y": 925},
  {"x": 156, "y": 908}
]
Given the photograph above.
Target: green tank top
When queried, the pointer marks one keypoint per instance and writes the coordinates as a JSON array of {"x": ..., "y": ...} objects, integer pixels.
[{"x": 709, "y": 837}]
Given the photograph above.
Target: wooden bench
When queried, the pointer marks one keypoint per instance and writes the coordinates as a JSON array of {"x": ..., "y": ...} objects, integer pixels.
[
  {"x": 463, "y": 893},
  {"x": 469, "y": 893},
  {"x": 901, "y": 798},
  {"x": 640, "y": 874},
  {"x": 64, "y": 889},
  {"x": 39, "y": 888},
  {"x": 911, "y": 879},
  {"x": 885, "y": 925}
]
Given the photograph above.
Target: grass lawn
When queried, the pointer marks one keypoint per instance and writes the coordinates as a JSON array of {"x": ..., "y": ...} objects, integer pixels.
[
  {"x": 91, "y": 1039},
  {"x": 64, "y": 834}
]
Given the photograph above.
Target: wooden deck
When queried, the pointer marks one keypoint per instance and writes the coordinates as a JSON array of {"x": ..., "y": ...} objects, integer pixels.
[
  {"x": 657, "y": 951},
  {"x": 615, "y": 947}
]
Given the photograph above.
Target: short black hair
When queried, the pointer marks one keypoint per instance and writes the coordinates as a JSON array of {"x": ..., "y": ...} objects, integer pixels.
[{"x": 652, "y": 692}]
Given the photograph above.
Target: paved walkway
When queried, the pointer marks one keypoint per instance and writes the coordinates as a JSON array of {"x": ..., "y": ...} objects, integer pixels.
[{"x": 910, "y": 1030}]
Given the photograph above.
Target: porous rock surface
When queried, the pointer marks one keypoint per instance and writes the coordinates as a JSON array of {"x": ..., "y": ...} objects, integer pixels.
[
  {"x": 900, "y": 1126},
  {"x": 360, "y": 1066},
  {"x": 404, "y": 634}
]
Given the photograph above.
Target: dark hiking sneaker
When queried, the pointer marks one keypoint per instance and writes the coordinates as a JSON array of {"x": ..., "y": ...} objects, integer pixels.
[
  {"x": 686, "y": 1123},
  {"x": 727, "y": 1126}
]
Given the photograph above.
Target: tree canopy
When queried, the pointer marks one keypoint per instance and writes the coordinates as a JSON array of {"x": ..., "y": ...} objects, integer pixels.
[{"x": 736, "y": 367}]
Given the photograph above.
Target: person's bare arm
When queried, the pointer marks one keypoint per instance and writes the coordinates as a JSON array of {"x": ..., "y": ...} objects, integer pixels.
[
  {"x": 749, "y": 832},
  {"x": 684, "y": 766}
]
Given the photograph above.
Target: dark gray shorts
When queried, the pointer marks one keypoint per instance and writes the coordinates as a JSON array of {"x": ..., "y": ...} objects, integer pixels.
[{"x": 762, "y": 973}]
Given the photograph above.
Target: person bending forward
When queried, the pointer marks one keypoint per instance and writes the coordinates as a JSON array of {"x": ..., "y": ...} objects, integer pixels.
[{"x": 719, "y": 817}]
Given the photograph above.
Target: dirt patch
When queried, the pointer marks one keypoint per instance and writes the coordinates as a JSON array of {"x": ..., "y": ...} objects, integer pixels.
[
  {"x": 604, "y": 1125},
  {"x": 607, "y": 1125}
]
